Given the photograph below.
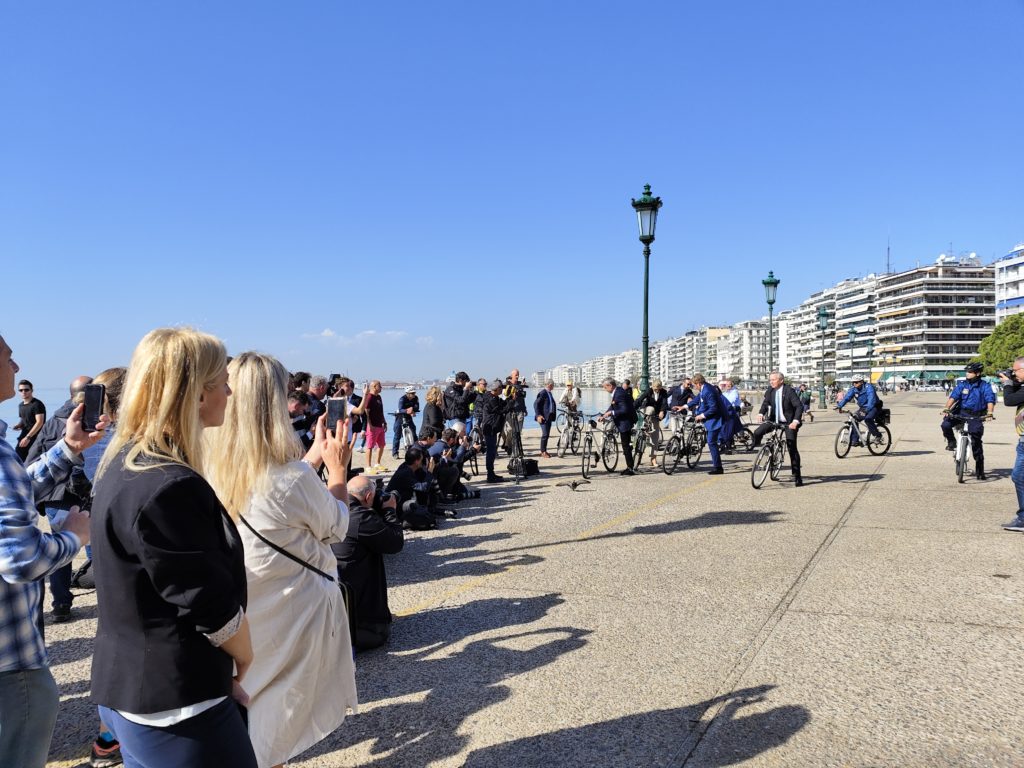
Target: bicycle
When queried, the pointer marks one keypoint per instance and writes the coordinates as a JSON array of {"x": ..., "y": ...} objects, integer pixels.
[
  {"x": 771, "y": 457},
  {"x": 609, "y": 453},
  {"x": 962, "y": 440},
  {"x": 571, "y": 434},
  {"x": 850, "y": 433},
  {"x": 674, "y": 445},
  {"x": 645, "y": 437},
  {"x": 408, "y": 434},
  {"x": 476, "y": 438}
]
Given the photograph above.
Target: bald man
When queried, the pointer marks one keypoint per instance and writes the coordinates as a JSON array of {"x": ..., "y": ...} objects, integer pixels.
[{"x": 371, "y": 535}]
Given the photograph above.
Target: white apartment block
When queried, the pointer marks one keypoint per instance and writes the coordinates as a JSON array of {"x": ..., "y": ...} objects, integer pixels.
[
  {"x": 855, "y": 304},
  {"x": 1010, "y": 284},
  {"x": 743, "y": 353},
  {"x": 930, "y": 320},
  {"x": 627, "y": 366}
]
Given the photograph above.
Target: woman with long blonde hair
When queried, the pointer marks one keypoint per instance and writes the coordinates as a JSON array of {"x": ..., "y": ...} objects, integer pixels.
[
  {"x": 302, "y": 680},
  {"x": 173, "y": 644},
  {"x": 433, "y": 416}
]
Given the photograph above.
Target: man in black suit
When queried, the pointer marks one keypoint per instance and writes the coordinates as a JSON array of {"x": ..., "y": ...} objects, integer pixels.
[
  {"x": 623, "y": 412},
  {"x": 544, "y": 412},
  {"x": 782, "y": 405}
]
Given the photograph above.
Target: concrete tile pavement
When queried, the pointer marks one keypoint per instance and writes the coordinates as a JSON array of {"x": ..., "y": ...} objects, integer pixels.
[{"x": 688, "y": 620}]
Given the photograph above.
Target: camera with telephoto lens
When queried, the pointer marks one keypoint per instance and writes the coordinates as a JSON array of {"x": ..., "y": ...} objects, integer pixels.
[
  {"x": 381, "y": 497},
  {"x": 1007, "y": 373}
]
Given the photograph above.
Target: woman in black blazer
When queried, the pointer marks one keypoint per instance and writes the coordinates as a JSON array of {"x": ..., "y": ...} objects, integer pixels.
[{"x": 172, "y": 644}]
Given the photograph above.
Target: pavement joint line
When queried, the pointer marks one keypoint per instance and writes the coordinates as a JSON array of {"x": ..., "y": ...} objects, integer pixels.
[
  {"x": 753, "y": 649},
  {"x": 587, "y": 534}
]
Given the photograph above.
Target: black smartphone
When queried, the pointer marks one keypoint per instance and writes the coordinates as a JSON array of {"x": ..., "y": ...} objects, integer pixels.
[
  {"x": 336, "y": 411},
  {"x": 94, "y": 397}
]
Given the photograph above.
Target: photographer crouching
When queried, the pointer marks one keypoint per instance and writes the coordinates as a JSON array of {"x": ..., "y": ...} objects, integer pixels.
[{"x": 374, "y": 530}]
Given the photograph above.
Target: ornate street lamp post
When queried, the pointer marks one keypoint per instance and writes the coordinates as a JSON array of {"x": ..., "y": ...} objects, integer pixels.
[
  {"x": 771, "y": 285},
  {"x": 647, "y": 217},
  {"x": 823, "y": 325}
]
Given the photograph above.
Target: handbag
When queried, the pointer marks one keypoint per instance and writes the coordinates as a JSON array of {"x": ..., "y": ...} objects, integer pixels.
[{"x": 346, "y": 590}]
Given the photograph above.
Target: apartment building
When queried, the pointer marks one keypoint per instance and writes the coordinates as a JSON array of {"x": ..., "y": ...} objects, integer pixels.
[
  {"x": 930, "y": 320},
  {"x": 743, "y": 353},
  {"x": 855, "y": 303},
  {"x": 1010, "y": 283}
]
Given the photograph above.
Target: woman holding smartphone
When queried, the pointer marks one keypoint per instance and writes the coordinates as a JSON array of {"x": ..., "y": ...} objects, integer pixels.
[
  {"x": 172, "y": 644},
  {"x": 302, "y": 680}
]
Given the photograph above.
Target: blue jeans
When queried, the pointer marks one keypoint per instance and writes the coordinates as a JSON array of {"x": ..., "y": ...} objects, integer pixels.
[
  {"x": 28, "y": 712},
  {"x": 491, "y": 440},
  {"x": 60, "y": 580},
  {"x": 1018, "y": 476},
  {"x": 216, "y": 738}
]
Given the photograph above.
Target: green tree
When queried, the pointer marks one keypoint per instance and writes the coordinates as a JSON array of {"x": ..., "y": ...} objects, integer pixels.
[{"x": 1000, "y": 347}]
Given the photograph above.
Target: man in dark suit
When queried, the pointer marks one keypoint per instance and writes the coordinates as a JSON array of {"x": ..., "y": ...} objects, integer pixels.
[
  {"x": 544, "y": 411},
  {"x": 782, "y": 405},
  {"x": 623, "y": 412}
]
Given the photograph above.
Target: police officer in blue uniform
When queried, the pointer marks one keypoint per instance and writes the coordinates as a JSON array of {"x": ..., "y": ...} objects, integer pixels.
[
  {"x": 867, "y": 403},
  {"x": 971, "y": 396}
]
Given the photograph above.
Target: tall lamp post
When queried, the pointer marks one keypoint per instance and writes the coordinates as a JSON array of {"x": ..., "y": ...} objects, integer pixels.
[
  {"x": 771, "y": 285},
  {"x": 647, "y": 217},
  {"x": 823, "y": 325}
]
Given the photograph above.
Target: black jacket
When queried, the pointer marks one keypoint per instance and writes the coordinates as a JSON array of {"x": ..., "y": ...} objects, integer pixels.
[
  {"x": 51, "y": 433},
  {"x": 432, "y": 417},
  {"x": 492, "y": 413},
  {"x": 658, "y": 400},
  {"x": 792, "y": 408},
  {"x": 457, "y": 400},
  {"x": 169, "y": 566},
  {"x": 371, "y": 535}
]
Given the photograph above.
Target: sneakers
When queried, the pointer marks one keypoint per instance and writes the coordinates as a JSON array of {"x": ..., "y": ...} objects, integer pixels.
[
  {"x": 1017, "y": 524},
  {"x": 105, "y": 754},
  {"x": 61, "y": 613},
  {"x": 950, "y": 447}
]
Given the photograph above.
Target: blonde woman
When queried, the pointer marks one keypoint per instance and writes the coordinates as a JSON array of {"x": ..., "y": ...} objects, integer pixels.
[
  {"x": 172, "y": 644},
  {"x": 302, "y": 680},
  {"x": 433, "y": 415}
]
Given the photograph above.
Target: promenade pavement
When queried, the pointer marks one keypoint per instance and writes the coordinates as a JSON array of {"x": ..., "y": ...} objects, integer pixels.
[{"x": 874, "y": 617}]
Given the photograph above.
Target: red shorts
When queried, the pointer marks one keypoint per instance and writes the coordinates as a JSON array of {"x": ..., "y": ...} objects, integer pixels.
[{"x": 375, "y": 437}]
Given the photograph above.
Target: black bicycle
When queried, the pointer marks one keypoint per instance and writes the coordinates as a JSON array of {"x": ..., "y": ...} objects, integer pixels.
[
  {"x": 514, "y": 446},
  {"x": 771, "y": 457},
  {"x": 609, "y": 451}
]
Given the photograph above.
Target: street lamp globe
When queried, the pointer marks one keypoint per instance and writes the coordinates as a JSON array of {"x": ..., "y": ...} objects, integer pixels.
[
  {"x": 771, "y": 285},
  {"x": 822, "y": 318},
  {"x": 647, "y": 214}
]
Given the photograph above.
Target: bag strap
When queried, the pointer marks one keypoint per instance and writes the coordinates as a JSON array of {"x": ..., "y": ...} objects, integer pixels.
[{"x": 285, "y": 552}]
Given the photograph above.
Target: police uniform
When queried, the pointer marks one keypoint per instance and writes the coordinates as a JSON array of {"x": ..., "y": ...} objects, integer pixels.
[
  {"x": 971, "y": 397},
  {"x": 867, "y": 402}
]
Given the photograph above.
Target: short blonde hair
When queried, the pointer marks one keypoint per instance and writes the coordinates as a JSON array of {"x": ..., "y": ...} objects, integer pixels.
[
  {"x": 170, "y": 370},
  {"x": 257, "y": 433},
  {"x": 435, "y": 396},
  {"x": 657, "y": 384}
]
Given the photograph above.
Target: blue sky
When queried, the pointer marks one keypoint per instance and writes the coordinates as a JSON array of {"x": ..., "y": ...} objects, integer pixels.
[{"x": 405, "y": 189}]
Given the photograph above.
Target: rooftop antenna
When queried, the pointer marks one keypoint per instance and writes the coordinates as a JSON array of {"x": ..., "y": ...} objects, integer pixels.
[{"x": 888, "y": 264}]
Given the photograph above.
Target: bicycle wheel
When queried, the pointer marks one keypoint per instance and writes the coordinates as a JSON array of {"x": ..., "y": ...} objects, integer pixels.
[
  {"x": 843, "y": 441},
  {"x": 574, "y": 440},
  {"x": 639, "y": 447},
  {"x": 670, "y": 459},
  {"x": 474, "y": 463},
  {"x": 563, "y": 443},
  {"x": 880, "y": 445},
  {"x": 778, "y": 458},
  {"x": 762, "y": 466},
  {"x": 695, "y": 447},
  {"x": 560, "y": 421},
  {"x": 588, "y": 456},
  {"x": 610, "y": 453},
  {"x": 961, "y": 462},
  {"x": 744, "y": 440}
]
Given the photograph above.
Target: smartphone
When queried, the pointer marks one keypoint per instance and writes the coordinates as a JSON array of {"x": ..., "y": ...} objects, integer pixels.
[
  {"x": 94, "y": 396},
  {"x": 336, "y": 411}
]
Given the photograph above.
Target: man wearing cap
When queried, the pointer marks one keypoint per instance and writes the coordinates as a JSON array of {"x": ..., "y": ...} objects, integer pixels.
[
  {"x": 867, "y": 402},
  {"x": 408, "y": 406},
  {"x": 971, "y": 396}
]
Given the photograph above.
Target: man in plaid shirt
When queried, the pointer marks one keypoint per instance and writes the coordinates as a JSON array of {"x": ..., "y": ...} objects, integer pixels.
[{"x": 28, "y": 693}]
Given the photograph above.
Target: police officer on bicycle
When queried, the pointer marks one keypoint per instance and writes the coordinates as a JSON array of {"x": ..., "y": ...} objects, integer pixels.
[
  {"x": 971, "y": 396},
  {"x": 868, "y": 404}
]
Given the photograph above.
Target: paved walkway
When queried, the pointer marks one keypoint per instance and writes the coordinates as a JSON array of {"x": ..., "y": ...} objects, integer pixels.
[{"x": 874, "y": 617}]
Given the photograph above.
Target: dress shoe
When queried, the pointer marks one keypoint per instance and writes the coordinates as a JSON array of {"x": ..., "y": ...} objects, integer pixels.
[
  {"x": 717, "y": 471},
  {"x": 495, "y": 479},
  {"x": 950, "y": 447},
  {"x": 798, "y": 481},
  {"x": 627, "y": 473}
]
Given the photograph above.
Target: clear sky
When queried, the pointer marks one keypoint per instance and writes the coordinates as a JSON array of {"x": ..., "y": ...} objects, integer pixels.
[{"x": 403, "y": 189}]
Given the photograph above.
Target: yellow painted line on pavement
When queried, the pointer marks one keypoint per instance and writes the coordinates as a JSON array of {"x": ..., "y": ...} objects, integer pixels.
[{"x": 587, "y": 534}]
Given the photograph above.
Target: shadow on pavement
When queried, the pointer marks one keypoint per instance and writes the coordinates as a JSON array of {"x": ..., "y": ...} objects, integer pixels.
[
  {"x": 653, "y": 738},
  {"x": 449, "y": 688}
]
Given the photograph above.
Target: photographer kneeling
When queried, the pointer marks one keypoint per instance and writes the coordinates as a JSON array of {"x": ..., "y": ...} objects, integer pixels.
[{"x": 373, "y": 531}]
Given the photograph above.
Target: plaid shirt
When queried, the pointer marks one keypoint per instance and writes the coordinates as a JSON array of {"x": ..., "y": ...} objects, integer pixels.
[{"x": 26, "y": 553}]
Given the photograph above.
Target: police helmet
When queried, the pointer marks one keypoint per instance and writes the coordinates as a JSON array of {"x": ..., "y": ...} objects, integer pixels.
[{"x": 974, "y": 368}]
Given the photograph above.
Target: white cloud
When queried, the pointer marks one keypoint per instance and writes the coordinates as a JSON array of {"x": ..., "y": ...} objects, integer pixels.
[
  {"x": 424, "y": 341},
  {"x": 361, "y": 338}
]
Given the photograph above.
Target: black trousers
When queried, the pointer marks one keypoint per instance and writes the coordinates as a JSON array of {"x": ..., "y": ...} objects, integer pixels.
[
  {"x": 794, "y": 452},
  {"x": 627, "y": 447}
]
